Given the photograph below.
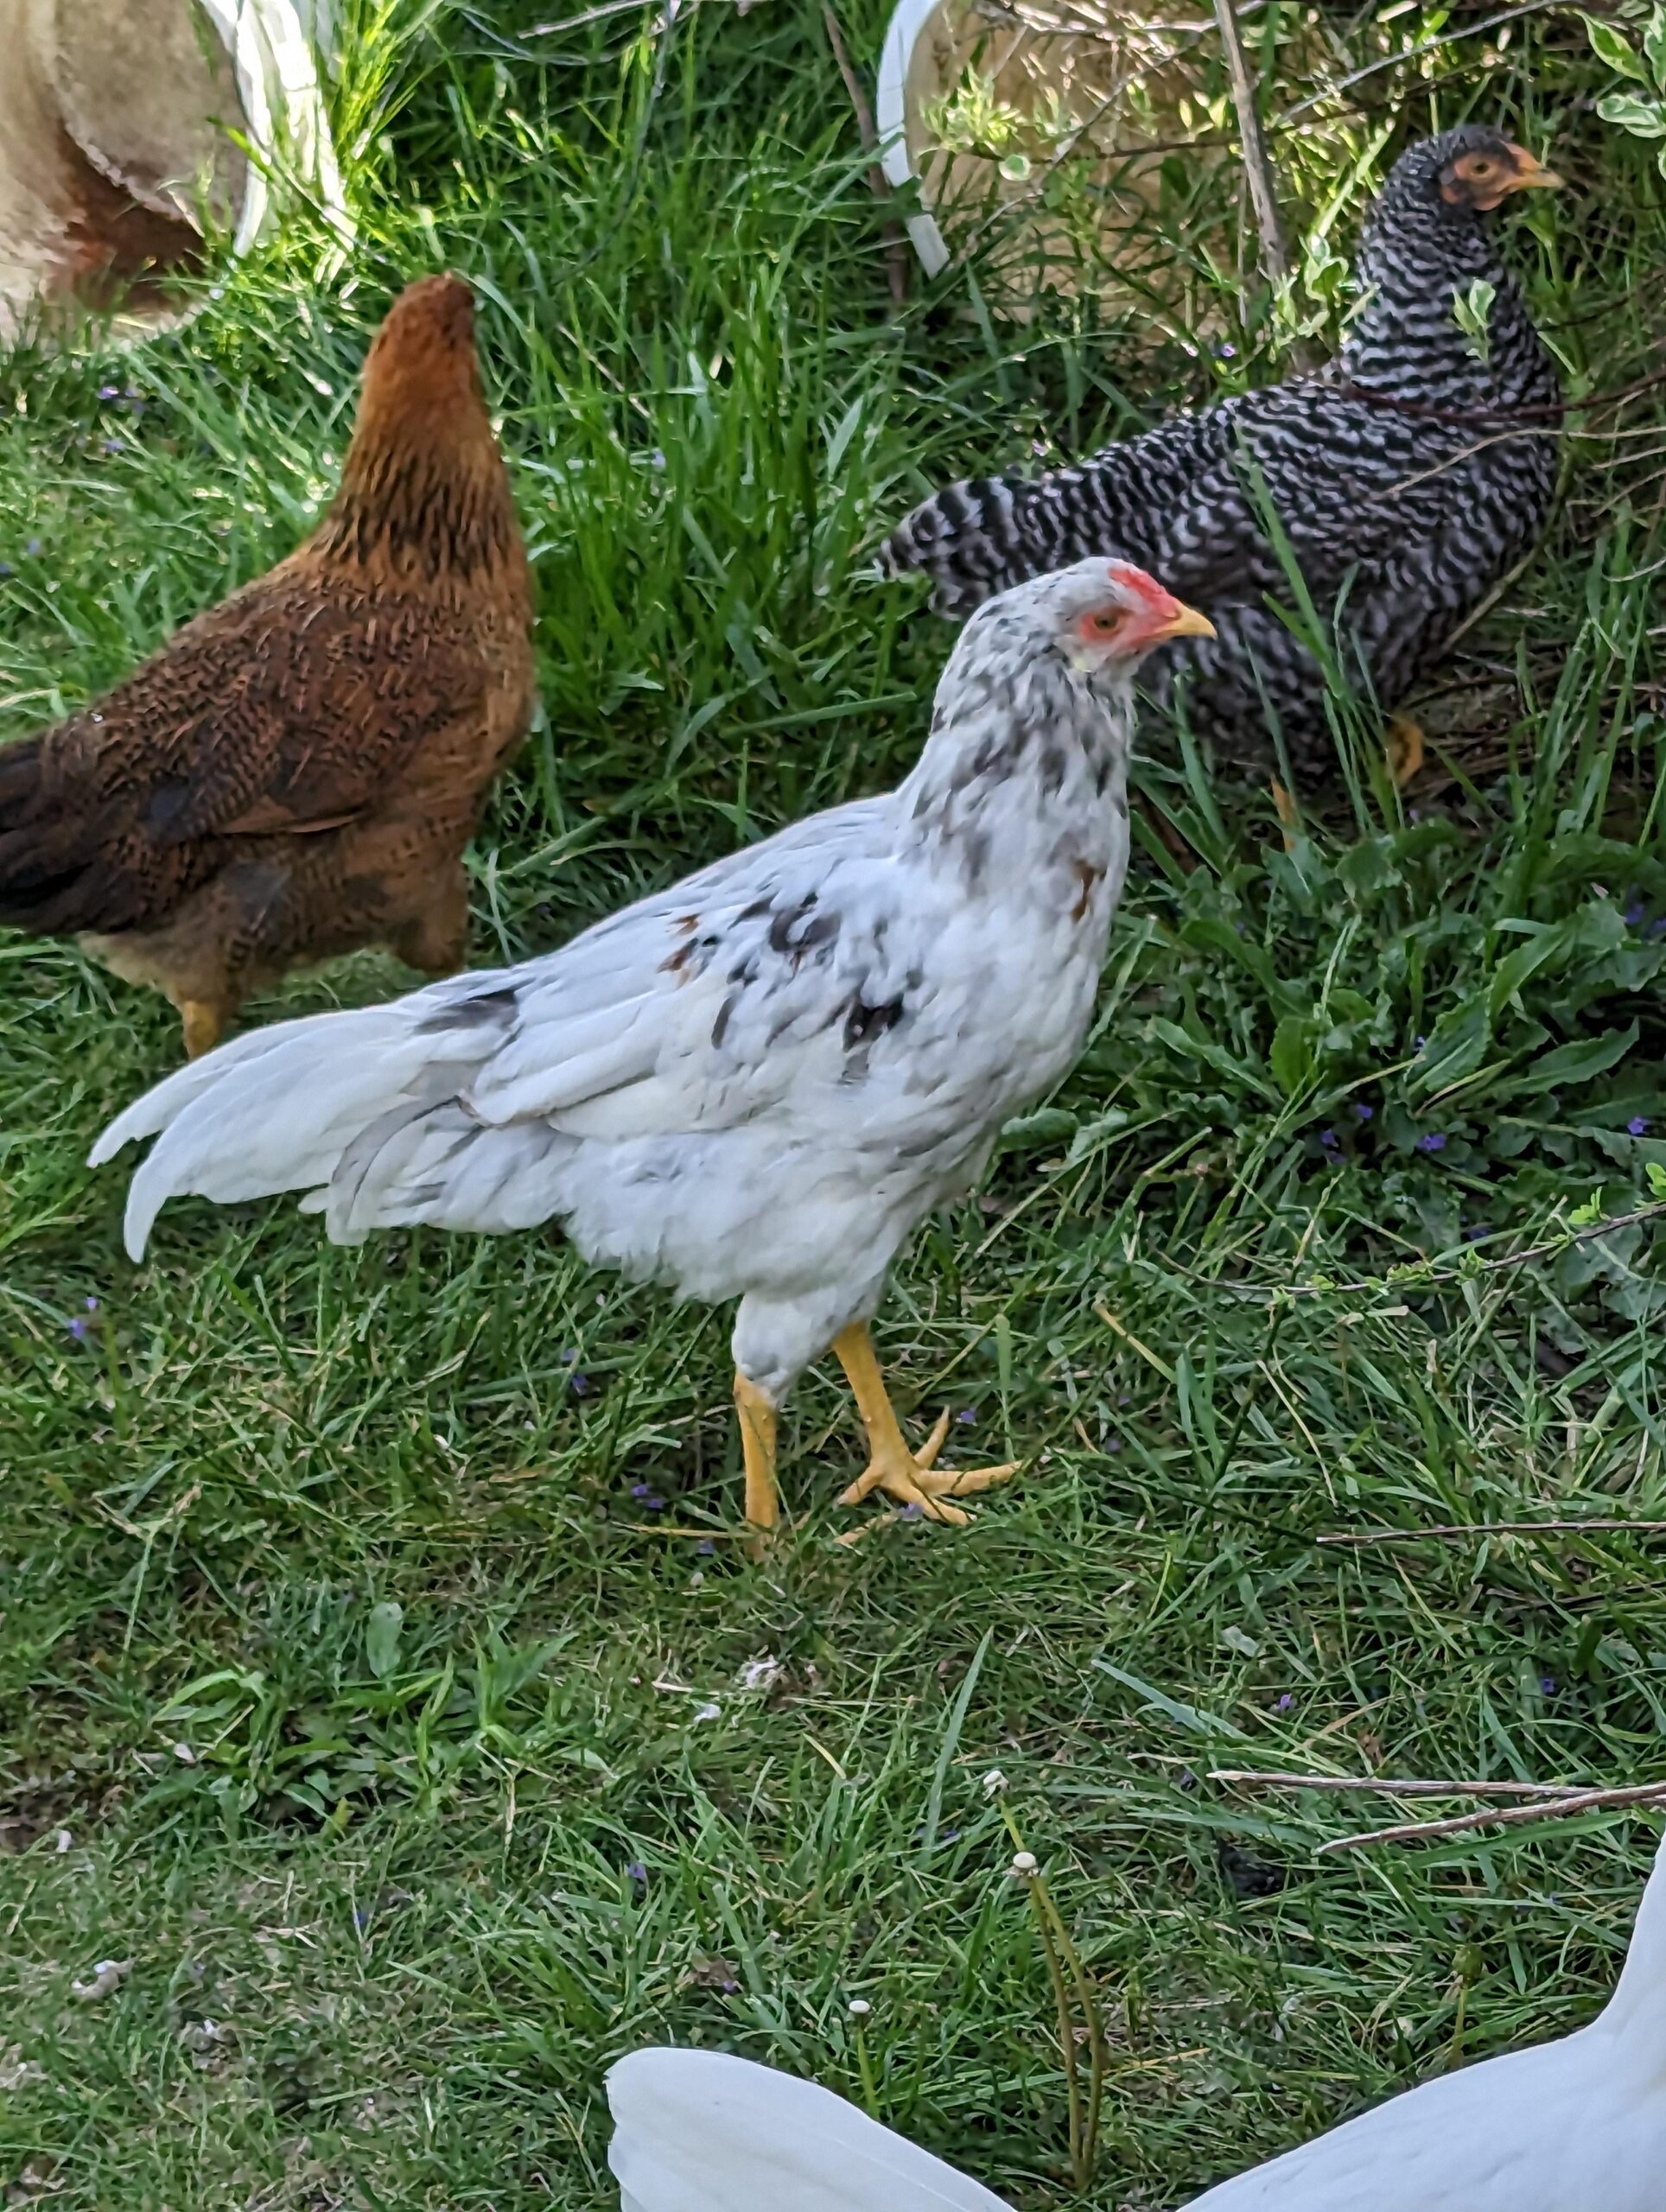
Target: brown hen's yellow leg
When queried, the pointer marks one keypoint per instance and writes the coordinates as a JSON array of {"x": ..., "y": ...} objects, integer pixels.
[
  {"x": 909, "y": 1477},
  {"x": 1403, "y": 744},
  {"x": 758, "y": 1450},
  {"x": 202, "y": 1023}
]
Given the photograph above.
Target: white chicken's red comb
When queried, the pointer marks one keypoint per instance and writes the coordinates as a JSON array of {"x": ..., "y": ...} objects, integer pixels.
[{"x": 1136, "y": 580}]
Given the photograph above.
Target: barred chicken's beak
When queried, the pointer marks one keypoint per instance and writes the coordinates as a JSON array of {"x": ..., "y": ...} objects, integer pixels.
[
  {"x": 1184, "y": 622},
  {"x": 1531, "y": 175}
]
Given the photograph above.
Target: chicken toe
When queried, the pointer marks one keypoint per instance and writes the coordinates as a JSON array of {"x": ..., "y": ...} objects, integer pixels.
[{"x": 910, "y": 1477}]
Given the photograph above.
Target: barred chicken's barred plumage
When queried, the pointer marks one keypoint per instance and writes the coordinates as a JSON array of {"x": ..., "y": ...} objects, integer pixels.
[{"x": 1408, "y": 476}]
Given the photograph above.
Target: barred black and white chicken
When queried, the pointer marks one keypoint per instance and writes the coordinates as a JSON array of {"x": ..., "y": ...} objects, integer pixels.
[{"x": 1408, "y": 476}]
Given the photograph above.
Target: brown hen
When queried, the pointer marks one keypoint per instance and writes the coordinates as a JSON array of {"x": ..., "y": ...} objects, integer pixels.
[{"x": 296, "y": 774}]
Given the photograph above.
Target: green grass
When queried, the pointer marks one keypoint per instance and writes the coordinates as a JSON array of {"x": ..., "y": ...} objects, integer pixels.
[{"x": 343, "y": 1678}]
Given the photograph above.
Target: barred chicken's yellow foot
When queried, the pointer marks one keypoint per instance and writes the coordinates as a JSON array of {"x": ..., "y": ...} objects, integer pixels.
[
  {"x": 1403, "y": 744},
  {"x": 1289, "y": 814},
  {"x": 908, "y": 1476}
]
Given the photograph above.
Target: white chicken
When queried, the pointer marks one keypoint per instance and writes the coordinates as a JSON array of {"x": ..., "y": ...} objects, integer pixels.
[
  {"x": 1578, "y": 2126},
  {"x": 755, "y": 1084}
]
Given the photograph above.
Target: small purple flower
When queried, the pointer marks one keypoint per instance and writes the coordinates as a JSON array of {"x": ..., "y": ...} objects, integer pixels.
[
  {"x": 109, "y": 391},
  {"x": 1657, "y": 927},
  {"x": 1434, "y": 1142},
  {"x": 111, "y": 445},
  {"x": 1638, "y": 1126},
  {"x": 705, "y": 1547},
  {"x": 570, "y": 1356},
  {"x": 1548, "y": 1685},
  {"x": 91, "y": 1305},
  {"x": 638, "y": 1873},
  {"x": 1113, "y": 1443},
  {"x": 1636, "y": 914},
  {"x": 1475, "y": 1232},
  {"x": 579, "y": 1384},
  {"x": 1421, "y": 1042},
  {"x": 966, "y": 1416},
  {"x": 654, "y": 1502},
  {"x": 80, "y": 1328},
  {"x": 5, "y": 569},
  {"x": 1329, "y": 1140},
  {"x": 1285, "y": 1703},
  {"x": 641, "y": 1489},
  {"x": 1362, "y": 1112},
  {"x": 32, "y": 549},
  {"x": 910, "y": 1512}
]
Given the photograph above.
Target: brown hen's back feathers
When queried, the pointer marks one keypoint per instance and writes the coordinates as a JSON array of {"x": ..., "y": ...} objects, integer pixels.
[{"x": 297, "y": 772}]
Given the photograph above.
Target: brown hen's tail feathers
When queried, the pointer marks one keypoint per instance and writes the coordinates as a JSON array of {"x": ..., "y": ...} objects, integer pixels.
[{"x": 44, "y": 841}]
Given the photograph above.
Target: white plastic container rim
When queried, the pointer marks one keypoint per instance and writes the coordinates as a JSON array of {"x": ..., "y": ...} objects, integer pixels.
[
  {"x": 272, "y": 45},
  {"x": 908, "y": 25}
]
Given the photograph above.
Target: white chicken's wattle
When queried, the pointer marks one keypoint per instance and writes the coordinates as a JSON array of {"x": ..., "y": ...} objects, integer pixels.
[
  {"x": 755, "y": 1084},
  {"x": 1578, "y": 2126}
]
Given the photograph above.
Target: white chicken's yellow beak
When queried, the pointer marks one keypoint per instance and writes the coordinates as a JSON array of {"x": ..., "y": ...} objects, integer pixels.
[{"x": 1184, "y": 622}]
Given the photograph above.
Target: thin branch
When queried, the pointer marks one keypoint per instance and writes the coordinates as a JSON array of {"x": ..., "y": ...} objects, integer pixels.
[
  {"x": 1386, "y": 1786},
  {"x": 1423, "y": 1275},
  {"x": 1274, "y": 256},
  {"x": 1460, "y": 1530},
  {"x": 1500, "y": 1816},
  {"x": 1412, "y": 52},
  {"x": 896, "y": 245}
]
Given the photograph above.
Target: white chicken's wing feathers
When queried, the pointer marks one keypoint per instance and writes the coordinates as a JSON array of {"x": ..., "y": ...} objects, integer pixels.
[
  {"x": 697, "y": 2131},
  {"x": 463, "y": 1104}
]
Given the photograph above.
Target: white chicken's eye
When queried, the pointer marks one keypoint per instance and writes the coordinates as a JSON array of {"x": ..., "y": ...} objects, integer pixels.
[{"x": 1105, "y": 624}]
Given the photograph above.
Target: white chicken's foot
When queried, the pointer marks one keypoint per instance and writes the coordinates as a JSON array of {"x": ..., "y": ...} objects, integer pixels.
[
  {"x": 908, "y": 1476},
  {"x": 757, "y": 1417}
]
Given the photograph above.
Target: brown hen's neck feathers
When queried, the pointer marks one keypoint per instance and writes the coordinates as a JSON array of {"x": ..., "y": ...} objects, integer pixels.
[{"x": 424, "y": 493}]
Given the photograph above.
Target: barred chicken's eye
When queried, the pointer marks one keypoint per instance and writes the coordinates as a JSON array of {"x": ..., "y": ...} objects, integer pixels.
[{"x": 1102, "y": 624}]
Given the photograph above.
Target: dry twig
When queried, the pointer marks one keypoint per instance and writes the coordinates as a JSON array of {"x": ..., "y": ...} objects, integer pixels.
[
  {"x": 1382, "y": 1785},
  {"x": 1257, "y": 170},
  {"x": 1360, "y": 1539},
  {"x": 896, "y": 243},
  {"x": 1551, "y": 1808}
]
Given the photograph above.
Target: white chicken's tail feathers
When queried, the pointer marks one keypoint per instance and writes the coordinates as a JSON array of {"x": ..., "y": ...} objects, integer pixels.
[
  {"x": 697, "y": 2131},
  {"x": 1636, "y": 2011},
  {"x": 290, "y": 1108}
]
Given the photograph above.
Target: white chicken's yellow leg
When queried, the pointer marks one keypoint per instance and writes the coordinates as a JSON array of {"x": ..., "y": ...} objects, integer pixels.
[
  {"x": 757, "y": 1417},
  {"x": 906, "y": 1475}
]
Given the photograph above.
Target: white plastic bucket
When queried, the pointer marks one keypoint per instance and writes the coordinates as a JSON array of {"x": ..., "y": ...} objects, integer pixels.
[{"x": 119, "y": 120}]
